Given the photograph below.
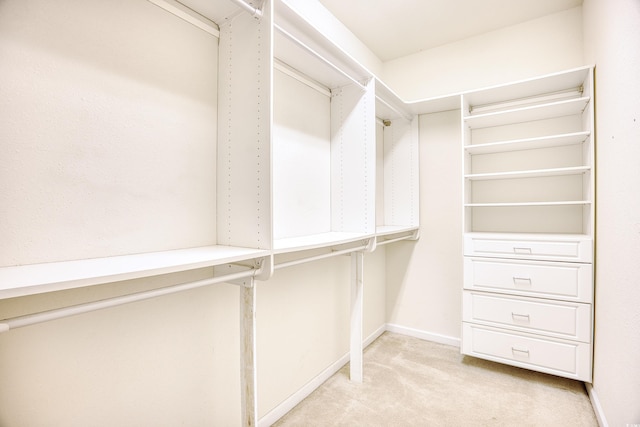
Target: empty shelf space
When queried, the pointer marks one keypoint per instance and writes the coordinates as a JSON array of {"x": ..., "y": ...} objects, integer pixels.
[
  {"x": 55, "y": 276},
  {"x": 529, "y": 143},
  {"x": 577, "y": 170},
  {"x": 527, "y": 114}
]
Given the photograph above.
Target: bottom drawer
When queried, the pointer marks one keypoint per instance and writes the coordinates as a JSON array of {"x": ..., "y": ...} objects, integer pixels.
[{"x": 559, "y": 357}]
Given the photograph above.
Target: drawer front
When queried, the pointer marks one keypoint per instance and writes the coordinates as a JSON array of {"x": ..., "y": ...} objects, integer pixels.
[
  {"x": 551, "y": 318},
  {"x": 558, "y": 357},
  {"x": 547, "y": 248},
  {"x": 556, "y": 280}
]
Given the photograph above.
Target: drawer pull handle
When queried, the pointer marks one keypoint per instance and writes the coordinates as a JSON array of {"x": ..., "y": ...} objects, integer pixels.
[
  {"x": 526, "y": 251},
  {"x": 519, "y": 352},
  {"x": 520, "y": 317},
  {"x": 525, "y": 281}
]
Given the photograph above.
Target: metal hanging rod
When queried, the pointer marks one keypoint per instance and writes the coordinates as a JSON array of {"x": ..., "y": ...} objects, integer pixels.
[
  {"x": 318, "y": 257},
  {"x": 254, "y": 11},
  {"x": 45, "y": 316}
]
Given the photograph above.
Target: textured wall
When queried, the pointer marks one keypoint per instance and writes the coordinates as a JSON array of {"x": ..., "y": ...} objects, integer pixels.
[{"x": 612, "y": 42}]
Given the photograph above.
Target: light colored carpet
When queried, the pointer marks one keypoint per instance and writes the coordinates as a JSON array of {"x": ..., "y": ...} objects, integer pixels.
[{"x": 411, "y": 382}]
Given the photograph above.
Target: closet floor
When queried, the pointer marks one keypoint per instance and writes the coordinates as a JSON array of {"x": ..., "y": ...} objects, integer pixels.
[{"x": 412, "y": 382}]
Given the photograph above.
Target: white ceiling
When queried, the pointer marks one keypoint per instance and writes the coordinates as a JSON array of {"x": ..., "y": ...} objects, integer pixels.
[{"x": 395, "y": 28}]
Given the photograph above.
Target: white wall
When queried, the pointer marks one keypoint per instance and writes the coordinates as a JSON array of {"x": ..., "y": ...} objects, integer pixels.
[
  {"x": 612, "y": 42},
  {"x": 533, "y": 48},
  {"x": 108, "y": 130}
]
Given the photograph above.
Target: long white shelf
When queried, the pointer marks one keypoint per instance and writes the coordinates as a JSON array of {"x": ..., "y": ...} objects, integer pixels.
[
  {"x": 577, "y": 170},
  {"x": 385, "y": 230},
  {"x": 527, "y": 114},
  {"x": 518, "y": 204},
  {"x": 316, "y": 241},
  {"x": 529, "y": 143},
  {"x": 33, "y": 279}
]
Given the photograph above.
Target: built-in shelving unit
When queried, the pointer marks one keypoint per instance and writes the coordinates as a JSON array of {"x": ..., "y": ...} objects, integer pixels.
[{"x": 528, "y": 185}]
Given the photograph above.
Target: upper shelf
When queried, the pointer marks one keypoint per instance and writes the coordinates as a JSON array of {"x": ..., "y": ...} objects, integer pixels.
[
  {"x": 550, "y": 83},
  {"x": 528, "y": 143},
  {"x": 549, "y": 110},
  {"x": 316, "y": 241},
  {"x": 538, "y": 173},
  {"x": 301, "y": 46},
  {"x": 56, "y": 276}
]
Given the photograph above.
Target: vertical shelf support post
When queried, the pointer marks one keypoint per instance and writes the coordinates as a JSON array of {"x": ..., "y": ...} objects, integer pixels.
[
  {"x": 248, "y": 377},
  {"x": 357, "y": 291}
]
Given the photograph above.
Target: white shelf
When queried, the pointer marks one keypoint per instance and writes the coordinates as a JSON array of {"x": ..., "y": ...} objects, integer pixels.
[
  {"x": 307, "y": 61},
  {"x": 385, "y": 230},
  {"x": 316, "y": 241},
  {"x": 547, "y": 84},
  {"x": 529, "y": 143},
  {"x": 563, "y": 203},
  {"x": 56, "y": 276},
  {"x": 527, "y": 114},
  {"x": 578, "y": 170}
]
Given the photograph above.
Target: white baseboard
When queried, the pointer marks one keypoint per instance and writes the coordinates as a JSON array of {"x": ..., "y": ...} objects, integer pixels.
[
  {"x": 288, "y": 404},
  {"x": 428, "y": 336},
  {"x": 597, "y": 408}
]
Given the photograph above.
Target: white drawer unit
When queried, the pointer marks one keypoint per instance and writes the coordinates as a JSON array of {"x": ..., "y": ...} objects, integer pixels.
[
  {"x": 565, "y": 358},
  {"x": 554, "y": 280},
  {"x": 529, "y": 223},
  {"x": 560, "y": 319},
  {"x": 538, "y": 247}
]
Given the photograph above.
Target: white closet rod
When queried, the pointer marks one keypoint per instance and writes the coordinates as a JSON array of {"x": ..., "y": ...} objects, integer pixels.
[
  {"x": 45, "y": 316},
  {"x": 397, "y": 239},
  {"x": 188, "y": 15},
  {"x": 318, "y": 257},
  {"x": 255, "y": 12}
]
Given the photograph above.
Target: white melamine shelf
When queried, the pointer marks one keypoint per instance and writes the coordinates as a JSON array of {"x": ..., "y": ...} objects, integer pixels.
[
  {"x": 307, "y": 61},
  {"x": 577, "y": 170},
  {"x": 385, "y": 230},
  {"x": 527, "y": 114},
  {"x": 33, "y": 279},
  {"x": 519, "y": 204},
  {"x": 316, "y": 241},
  {"x": 529, "y": 143}
]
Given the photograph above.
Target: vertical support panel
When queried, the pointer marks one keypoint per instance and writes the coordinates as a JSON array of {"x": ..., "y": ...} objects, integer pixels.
[
  {"x": 401, "y": 163},
  {"x": 465, "y": 132},
  {"x": 248, "y": 377},
  {"x": 244, "y": 131},
  {"x": 357, "y": 294},
  {"x": 353, "y": 160}
]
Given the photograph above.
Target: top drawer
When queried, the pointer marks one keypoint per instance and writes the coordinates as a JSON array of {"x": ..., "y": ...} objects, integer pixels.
[{"x": 572, "y": 248}]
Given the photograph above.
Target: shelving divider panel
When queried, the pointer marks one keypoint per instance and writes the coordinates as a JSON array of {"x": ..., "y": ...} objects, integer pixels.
[
  {"x": 529, "y": 143},
  {"x": 401, "y": 164},
  {"x": 353, "y": 160},
  {"x": 55, "y": 276},
  {"x": 244, "y": 131},
  {"x": 526, "y": 114}
]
